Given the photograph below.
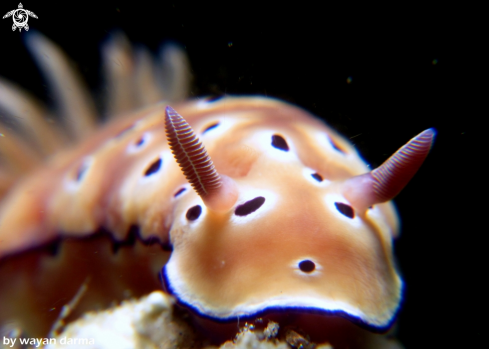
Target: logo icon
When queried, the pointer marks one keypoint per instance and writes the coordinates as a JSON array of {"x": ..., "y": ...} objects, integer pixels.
[{"x": 20, "y": 17}]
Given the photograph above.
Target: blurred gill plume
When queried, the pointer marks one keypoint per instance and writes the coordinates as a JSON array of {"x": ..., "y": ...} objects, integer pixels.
[{"x": 30, "y": 132}]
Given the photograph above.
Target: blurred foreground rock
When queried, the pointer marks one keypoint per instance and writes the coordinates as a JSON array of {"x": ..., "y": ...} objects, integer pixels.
[
  {"x": 150, "y": 323},
  {"x": 146, "y": 323}
]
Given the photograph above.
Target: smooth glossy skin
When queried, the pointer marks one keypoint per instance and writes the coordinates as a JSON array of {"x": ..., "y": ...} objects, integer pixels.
[{"x": 349, "y": 245}]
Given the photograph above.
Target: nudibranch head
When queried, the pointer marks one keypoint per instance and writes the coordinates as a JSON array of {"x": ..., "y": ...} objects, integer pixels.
[{"x": 296, "y": 238}]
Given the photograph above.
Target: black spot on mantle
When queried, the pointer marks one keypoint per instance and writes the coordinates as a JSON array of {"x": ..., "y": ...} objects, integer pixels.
[{"x": 249, "y": 206}]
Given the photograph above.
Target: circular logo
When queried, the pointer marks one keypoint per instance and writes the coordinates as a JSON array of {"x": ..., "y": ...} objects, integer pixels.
[{"x": 20, "y": 17}]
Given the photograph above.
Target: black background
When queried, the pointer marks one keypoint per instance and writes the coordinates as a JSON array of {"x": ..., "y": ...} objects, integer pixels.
[{"x": 304, "y": 54}]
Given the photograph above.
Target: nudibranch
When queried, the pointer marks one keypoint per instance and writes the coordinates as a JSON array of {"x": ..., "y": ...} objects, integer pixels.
[
  {"x": 303, "y": 224},
  {"x": 266, "y": 209}
]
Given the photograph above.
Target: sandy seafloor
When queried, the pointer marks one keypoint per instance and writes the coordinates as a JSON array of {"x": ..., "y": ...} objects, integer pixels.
[{"x": 410, "y": 67}]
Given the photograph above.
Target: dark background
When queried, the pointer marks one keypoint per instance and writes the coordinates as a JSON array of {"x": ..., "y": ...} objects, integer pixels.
[{"x": 304, "y": 54}]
